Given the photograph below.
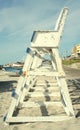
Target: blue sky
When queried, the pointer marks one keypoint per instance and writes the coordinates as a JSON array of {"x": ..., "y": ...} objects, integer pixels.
[{"x": 19, "y": 18}]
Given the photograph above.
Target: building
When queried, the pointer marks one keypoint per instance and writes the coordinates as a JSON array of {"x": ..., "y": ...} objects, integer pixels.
[
  {"x": 17, "y": 64},
  {"x": 76, "y": 51}
]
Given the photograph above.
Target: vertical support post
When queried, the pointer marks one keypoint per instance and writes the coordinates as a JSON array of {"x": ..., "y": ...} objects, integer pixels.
[
  {"x": 36, "y": 61},
  {"x": 63, "y": 83}
]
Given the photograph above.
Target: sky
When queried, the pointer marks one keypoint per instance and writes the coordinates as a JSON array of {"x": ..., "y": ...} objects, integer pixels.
[{"x": 19, "y": 18}]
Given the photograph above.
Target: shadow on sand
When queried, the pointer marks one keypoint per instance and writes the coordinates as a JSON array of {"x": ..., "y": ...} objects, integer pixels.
[
  {"x": 74, "y": 91},
  {"x": 7, "y": 85}
]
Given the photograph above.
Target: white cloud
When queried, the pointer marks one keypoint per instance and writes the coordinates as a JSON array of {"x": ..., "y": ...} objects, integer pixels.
[
  {"x": 17, "y": 22},
  {"x": 13, "y": 19},
  {"x": 73, "y": 25}
]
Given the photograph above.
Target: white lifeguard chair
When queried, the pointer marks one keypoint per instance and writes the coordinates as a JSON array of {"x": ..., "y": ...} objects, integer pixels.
[{"x": 42, "y": 83}]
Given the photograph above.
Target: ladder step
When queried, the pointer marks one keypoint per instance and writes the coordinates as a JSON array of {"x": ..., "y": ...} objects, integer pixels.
[
  {"x": 31, "y": 108},
  {"x": 37, "y": 119},
  {"x": 40, "y": 94},
  {"x": 48, "y": 78},
  {"x": 45, "y": 73},
  {"x": 38, "y": 104},
  {"x": 45, "y": 68},
  {"x": 44, "y": 89},
  {"x": 46, "y": 84}
]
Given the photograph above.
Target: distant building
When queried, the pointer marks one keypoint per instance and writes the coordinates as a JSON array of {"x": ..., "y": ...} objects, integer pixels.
[
  {"x": 17, "y": 64},
  {"x": 76, "y": 51}
]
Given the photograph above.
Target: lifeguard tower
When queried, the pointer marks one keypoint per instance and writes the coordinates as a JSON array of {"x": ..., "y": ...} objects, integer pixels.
[{"x": 42, "y": 85}]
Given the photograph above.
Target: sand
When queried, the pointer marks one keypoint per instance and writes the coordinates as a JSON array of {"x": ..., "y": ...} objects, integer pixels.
[{"x": 8, "y": 82}]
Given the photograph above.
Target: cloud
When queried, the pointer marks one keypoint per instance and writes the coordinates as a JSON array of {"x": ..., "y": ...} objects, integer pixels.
[
  {"x": 72, "y": 28},
  {"x": 20, "y": 18},
  {"x": 13, "y": 19}
]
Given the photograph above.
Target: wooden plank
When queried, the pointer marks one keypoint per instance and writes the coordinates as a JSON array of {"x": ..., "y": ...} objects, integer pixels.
[
  {"x": 44, "y": 89},
  {"x": 66, "y": 96},
  {"x": 40, "y": 94},
  {"x": 48, "y": 78},
  {"x": 38, "y": 104},
  {"x": 62, "y": 83},
  {"x": 43, "y": 68},
  {"x": 46, "y": 84},
  {"x": 58, "y": 61},
  {"x": 28, "y": 61},
  {"x": 61, "y": 20},
  {"x": 45, "y": 73},
  {"x": 39, "y": 39},
  {"x": 11, "y": 108},
  {"x": 38, "y": 119},
  {"x": 44, "y": 97}
]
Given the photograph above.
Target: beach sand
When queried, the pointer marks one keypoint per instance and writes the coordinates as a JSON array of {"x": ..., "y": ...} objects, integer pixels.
[{"x": 8, "y": 82}]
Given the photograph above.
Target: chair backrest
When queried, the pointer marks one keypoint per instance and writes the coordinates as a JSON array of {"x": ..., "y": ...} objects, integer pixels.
[{"x": 50, "y": 38}]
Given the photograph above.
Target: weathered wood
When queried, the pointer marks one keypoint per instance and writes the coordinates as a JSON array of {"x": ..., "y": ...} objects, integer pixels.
[
  {"x": 40, "y": 94},
  {"x": 63, "y": 84},
  {"x": 45, "y": 89},
  {"x": 43, "y": 97},
  {"x": 46, "y": 73},
  {"x": 39, "y": 104},
  {"x": 45, "y": 83},
  {"x": 38, "y": 119}
]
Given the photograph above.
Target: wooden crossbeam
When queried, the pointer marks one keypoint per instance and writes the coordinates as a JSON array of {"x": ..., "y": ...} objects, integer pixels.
[
  {"x": 40, "y": 94},
  {"x": 39, "y": 104},
  {"x": 46, "y": 84},
  {"x": 44, "y": 89},
  {"x": 46, "y": 73},
  {"x": 38, "y": 119}
]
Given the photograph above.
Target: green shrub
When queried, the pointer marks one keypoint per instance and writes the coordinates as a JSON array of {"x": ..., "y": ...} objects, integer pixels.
[{"x": 70, "y": 61}]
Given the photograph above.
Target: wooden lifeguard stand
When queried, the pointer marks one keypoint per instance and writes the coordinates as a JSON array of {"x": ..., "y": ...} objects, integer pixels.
[{"x": 42, "y": 84}]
